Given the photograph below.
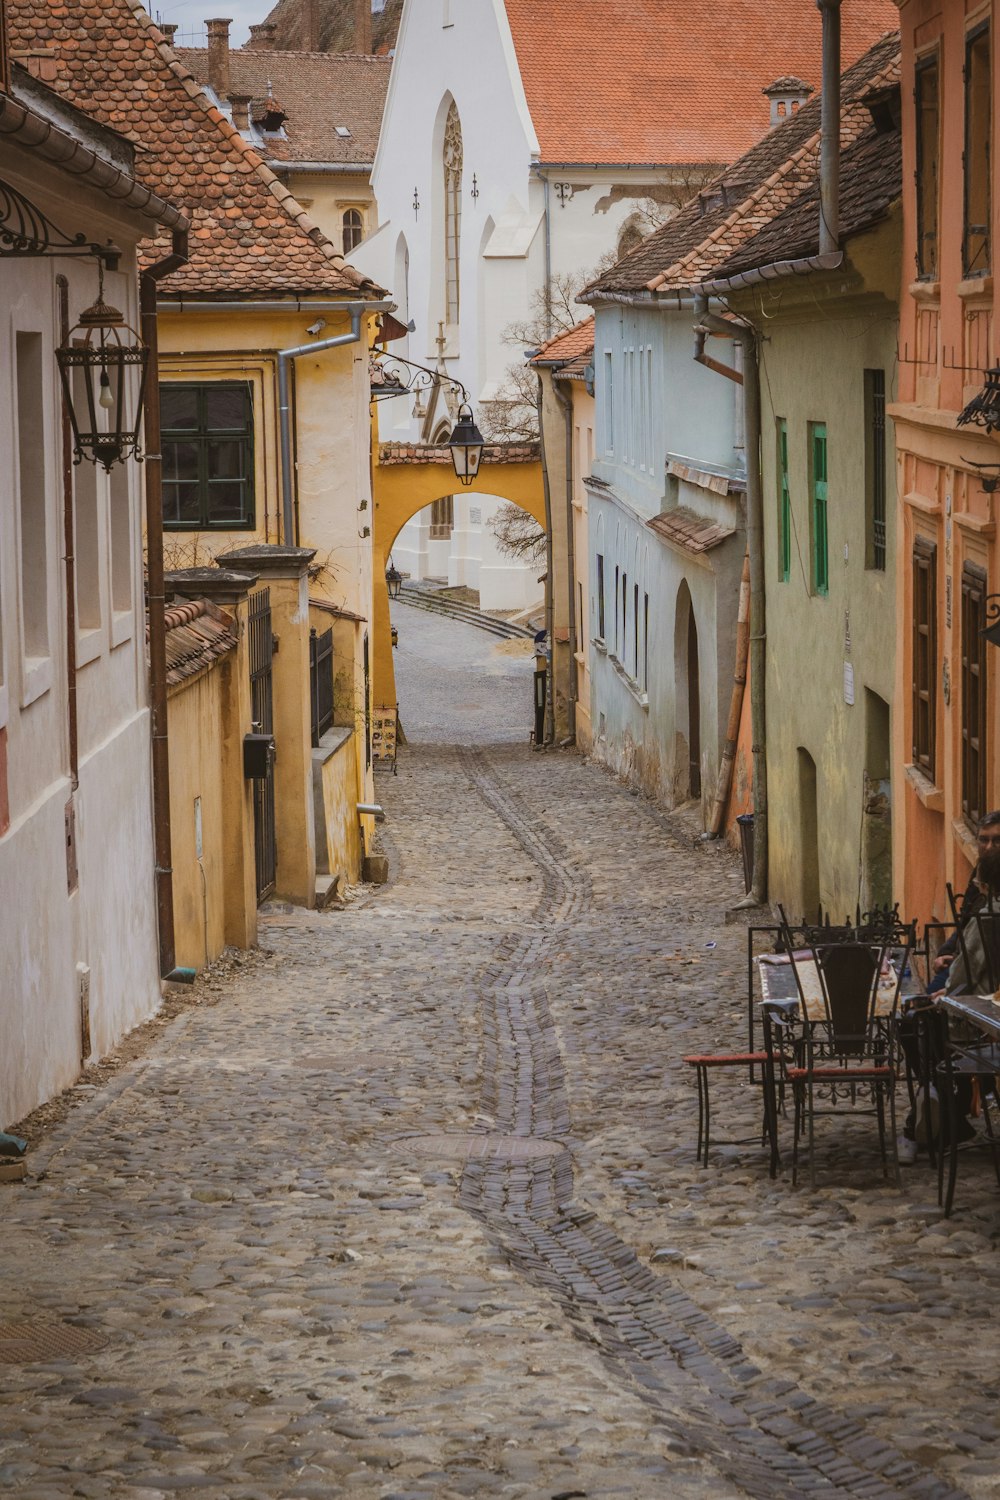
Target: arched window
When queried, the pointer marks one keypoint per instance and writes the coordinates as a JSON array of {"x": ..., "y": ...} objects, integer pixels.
[
  {"x": 354, "y": 228},
  {"x": 452, "y": 212}
]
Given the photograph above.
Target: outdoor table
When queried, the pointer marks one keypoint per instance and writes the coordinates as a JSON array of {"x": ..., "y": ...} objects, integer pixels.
[
  {"x": 979, "y": 1012},
  {"x": 780, "y": 992}
]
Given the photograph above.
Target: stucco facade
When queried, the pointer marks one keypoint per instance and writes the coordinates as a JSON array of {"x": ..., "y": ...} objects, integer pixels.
[
  {"x": 947, "y": 555},
  {"x": 662, "y": 608},
  {"x": 831, "y": 636},
  {"x": 78, "y": 942}
]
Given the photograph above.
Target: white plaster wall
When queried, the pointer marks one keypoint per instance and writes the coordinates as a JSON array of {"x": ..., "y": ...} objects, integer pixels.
[
  {"x": 639, "y": 716},
  {"x": 503, "y": 241},
  {"x": 108, "y": 923}
]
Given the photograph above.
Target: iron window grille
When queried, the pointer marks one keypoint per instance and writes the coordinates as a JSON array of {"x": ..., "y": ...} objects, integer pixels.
[
  {"x": 320, "y": 683},
  {"x": 207, "y": 445},
  {"x": 978, "y": 124}
]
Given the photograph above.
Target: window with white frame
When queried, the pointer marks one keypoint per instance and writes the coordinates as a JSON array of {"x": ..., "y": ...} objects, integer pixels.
[{"x": 31, "y": 495}]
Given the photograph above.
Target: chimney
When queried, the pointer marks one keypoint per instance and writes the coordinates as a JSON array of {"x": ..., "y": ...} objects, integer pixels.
[
  {"x": 312, "y": 26},
  {"x": 829, "y": 142},
  {"x": 785, "y": 96},
  {"x": 362, "y": 25},
  {"x": 218, "y": 56},
  {"x": 169, "y": 29},
  {"x": 262, "y": 36},
  {"x": 240, "y": 105}
]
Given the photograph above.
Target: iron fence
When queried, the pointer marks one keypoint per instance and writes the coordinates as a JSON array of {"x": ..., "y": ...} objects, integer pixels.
[{"x": 321, "y": 682}]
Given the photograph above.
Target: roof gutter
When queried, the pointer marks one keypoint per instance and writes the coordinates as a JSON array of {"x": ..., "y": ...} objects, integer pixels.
[
  {"x": 249, "y": 304},
  {"x": 618, "y": 166},
  {"x": 28, "y": 129},
  {"x": 357, "y": 311},
  {"x": 804, "y": 266},
  {"x": 320, "y": 168}
]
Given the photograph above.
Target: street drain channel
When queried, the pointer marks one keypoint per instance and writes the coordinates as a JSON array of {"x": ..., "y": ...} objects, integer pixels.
[
  {"x": 477, "y": 1146},
  {"x": 31, "y": 1343}
]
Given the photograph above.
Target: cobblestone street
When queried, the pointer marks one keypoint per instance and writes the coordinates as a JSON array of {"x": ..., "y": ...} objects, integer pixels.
[{"x": 292, "y": 1273}]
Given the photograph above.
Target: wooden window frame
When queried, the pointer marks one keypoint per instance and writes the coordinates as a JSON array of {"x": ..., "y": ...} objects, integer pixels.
[
  {"x": 352, "y": 224},
  {"x": 784, "y": 504},
  {"x": 928, "y": 171},
  {"x": 876, "y": 485},
  {"x": 924, "y": 667},
  {"x": 203, "y": 437},
  {"x": 819, "y": 491},
  {"x": 975, "y": 723},
  {"x": 977, "y": 261}
]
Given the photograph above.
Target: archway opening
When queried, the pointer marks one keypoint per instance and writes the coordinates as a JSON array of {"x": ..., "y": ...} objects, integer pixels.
[{"x": 687, "y": 693}]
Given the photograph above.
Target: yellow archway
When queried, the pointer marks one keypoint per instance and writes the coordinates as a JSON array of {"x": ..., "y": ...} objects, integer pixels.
[{"x": 406, "y": 478}]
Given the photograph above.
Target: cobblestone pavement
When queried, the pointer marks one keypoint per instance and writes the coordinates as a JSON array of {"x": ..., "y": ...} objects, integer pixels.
[{"x": 309, "y": 1281}]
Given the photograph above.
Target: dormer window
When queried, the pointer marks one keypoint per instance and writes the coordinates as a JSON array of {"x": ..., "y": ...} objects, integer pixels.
[{"x": 786, "y": 95}]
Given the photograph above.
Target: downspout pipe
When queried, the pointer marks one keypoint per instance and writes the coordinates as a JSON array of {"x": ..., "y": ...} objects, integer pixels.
[
  {"x": 69, "y": 546},
  {"x": 155, "y": 605},
  {"x": 747, "y": 337},
  {"x": 548, "y": 255},
  {"x": 829, "y": 148},
  {"x": 550, "y": 732},
  {"x": 357, "y": 310},
  {"x": 566, "y": 402}
]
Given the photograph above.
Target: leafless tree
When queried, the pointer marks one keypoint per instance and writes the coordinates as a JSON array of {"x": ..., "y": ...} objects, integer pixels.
[{"x": 517, "y": 534}]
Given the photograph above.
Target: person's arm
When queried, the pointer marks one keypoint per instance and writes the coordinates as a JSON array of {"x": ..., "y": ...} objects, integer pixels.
[{"x": 970, "y": 901}]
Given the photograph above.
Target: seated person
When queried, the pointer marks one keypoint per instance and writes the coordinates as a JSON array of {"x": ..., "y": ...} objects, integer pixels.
[{"x": 987, "y": 839}]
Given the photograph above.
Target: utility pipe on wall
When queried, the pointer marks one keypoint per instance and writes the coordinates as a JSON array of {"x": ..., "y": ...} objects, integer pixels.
[
  {"x": 566, "y": 402},
  {"x": 712, "y": 323},
  {"x": 69, "y": 543},
  {"x": 549, "y": 610},
  {"x": 155, "y": 601},
  {"x": 357, "y": 311},
  {"x": 829, "y": 149},
  {"x": 728, "y": 761}
]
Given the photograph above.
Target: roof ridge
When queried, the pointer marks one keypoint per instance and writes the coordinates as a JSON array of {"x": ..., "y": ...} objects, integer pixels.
[{"x": 296, "y": 213}]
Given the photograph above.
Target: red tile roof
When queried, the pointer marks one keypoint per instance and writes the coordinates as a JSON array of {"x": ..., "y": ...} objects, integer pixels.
[
  {"x": 318, "y": 91},
  {"x": 642, "y": 81},
  {"x": 198, "y": 633},
  {"x": 749, "y": 195},
  {"x": 249, "y": 236},
  {"x": 685, "y": 528},
  {"x": 568, "y": 345},
  {"x": 336, "y": 24}
]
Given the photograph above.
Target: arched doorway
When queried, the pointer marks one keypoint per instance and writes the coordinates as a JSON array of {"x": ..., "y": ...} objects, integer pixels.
[{"x": 687, "y": 690}]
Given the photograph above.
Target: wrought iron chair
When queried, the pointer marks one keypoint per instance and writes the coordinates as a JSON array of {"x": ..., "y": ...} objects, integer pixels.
[{"x": 847, "y": 1052}]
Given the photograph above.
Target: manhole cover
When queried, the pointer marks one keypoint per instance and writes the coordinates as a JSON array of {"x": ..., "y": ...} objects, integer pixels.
[
  {"x": 27, "y": 1343},
  {"x": 471, "y": 1146}
]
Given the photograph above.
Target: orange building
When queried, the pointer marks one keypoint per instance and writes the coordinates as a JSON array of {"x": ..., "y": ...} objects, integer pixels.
[{"x": 948, "y": 560}]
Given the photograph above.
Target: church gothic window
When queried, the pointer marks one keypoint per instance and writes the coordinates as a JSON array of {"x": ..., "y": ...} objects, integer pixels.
[{"x": 452, "y": 212}]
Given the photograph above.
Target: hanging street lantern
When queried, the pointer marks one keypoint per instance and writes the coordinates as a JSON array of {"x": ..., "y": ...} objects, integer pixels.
[
  {"x": 394, "y": 580},
  {"x": 466, "y": 444},
  {"x": 105, "y": 402}
]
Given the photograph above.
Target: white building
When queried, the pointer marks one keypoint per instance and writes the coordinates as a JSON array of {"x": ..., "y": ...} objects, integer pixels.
[
  {"x": 78, "y": 938},
  {"x": 523, "y": 142}
]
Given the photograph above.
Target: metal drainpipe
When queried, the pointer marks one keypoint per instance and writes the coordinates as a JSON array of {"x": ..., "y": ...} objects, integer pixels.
[
  {"x": 548, "y": 255},
  {"x": 755, "y": 548},
  {"x": 829, "y": 150},
  {"x": 566, "y": 402},
  {"x": 155, "y": 604},
  {"x": 69, "y": 544},
  {"x": 357, "y": 311},
  {"x": 550, "y": 731}
]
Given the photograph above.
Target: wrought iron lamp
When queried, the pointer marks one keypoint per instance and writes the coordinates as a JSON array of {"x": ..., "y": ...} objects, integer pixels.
[
  {"x": 106, "y": 413},
  {"x": 466, "y": 444},
  {"x": 984, "y": 408},
  {"x": 394, "y": 580}
]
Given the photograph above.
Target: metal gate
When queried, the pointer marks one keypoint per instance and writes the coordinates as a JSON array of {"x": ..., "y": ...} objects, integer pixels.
[{"x": 261, "y": 708}]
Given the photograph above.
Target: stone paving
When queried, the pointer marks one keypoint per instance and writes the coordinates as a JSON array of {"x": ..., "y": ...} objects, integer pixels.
[{"x": 304, "y": 1280}]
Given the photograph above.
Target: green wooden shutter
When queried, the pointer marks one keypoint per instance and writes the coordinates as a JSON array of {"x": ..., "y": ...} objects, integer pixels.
[{"x": 821, "y": 546}]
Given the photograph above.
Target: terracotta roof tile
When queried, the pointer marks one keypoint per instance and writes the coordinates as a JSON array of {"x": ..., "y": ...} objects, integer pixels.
[
  {"x": 318, "y": 91},
  {"x": 249, "y": 236},
  {"x": 336, "y": 24},
  {"x": 741, "y": 200},
  {"x": 198, "y": 633},
  {"x": 568, "y": 345},
  {"x": 685, "y": 528},
  {"x": 390, "y": 454},
  {"x": 639, "y": 81}
]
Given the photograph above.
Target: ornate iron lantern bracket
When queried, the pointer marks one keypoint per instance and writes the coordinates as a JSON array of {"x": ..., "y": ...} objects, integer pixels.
[{"x": 25, "y": 231}]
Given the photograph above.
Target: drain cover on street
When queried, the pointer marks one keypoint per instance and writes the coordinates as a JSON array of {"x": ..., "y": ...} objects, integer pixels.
[
  {"x": 472, "y": 1146},
  {"x": 27, "y": 1343}
]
